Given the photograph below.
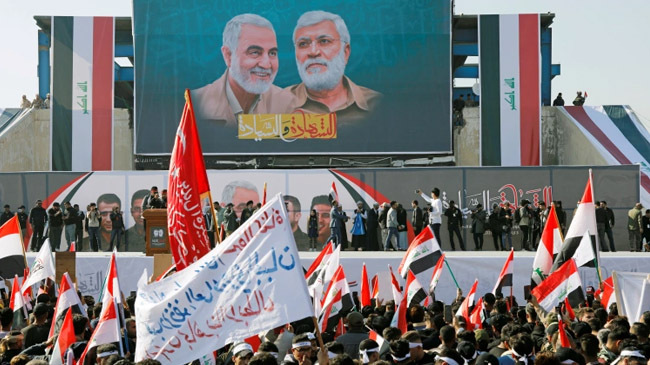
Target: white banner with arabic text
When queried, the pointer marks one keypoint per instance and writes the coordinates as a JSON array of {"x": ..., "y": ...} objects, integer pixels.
[{"x": 250, "y": 283}]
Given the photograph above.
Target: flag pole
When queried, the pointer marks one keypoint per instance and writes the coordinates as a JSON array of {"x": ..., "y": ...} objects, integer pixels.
[
  {"x": 318, "y": 335},
  {"x": 452, "y": 274}
]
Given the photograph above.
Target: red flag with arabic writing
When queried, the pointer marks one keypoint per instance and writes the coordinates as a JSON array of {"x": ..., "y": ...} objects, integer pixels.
[{"x": 188, "y": 189}]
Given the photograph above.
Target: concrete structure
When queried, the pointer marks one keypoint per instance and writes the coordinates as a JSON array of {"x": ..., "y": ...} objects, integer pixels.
[
  {"x": 562, "y": 142},
  {"x": 25, "y": 144}
]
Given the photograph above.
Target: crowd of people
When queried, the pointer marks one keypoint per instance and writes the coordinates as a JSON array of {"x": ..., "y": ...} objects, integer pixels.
[
  {"x": 385, "y": 226},
  {"x": 508, "y": 334}
]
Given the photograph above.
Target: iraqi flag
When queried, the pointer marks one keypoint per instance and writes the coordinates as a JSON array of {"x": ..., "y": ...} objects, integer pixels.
[
  {"x": 67, "y": 300},
  {"x": 312, "y": 273},
  {"x": 564, "y": 339},
  {"x": 505, "y": 277},
  {"x": 375, "y": 286},
  {"x": 422, "y": 254},
  {"x": 563, "y": 282},
  {"x": 64, "y": 341},
  {"x": 413, "y": 294},
  {"x": 583, "y": 221},
  {"x": 18, "y": 305},
  {"x": 324, "y": 278},
  {"x": 509, "y": 66},
  {"x": 12, "y": 252},
  {"x": 365, "y": 289},
  {"x": 107, "y": 329},
  {"x": 467, "y": 303},
  {"x": 437, "y": 271},
  {"x": 549, "y": 246},
  {"x": 477, "y": 317},
  {"x": 82, "y": 93},
  {"x": 397, "y": 292},
  {"x": 337, "y": 301},
  {"x": 333, "y": 194}
]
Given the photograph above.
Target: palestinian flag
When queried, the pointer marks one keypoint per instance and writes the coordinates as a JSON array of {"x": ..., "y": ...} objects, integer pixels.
[
  {"x": 583, "y": 221},
  {"x": 509, "y": 70},
  {"x": 12, "y": 254},
  {"x": 563, "y": 282},
  {"x": 505, "y": 277},
  {"x": 333, "y": 194},
  {"x": 82, "y": 93},
  {"x": 422, "y": 254},
  {"x": 549, "y": 246}
]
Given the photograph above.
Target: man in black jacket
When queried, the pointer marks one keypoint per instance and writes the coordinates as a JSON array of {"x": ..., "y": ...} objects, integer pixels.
[
  {"x": 416, "y": 218},
  {"x": 37, "y": 218},
  {"x": 609, "y": 224},
  {"x": 55, "y": 217},
  {"x": 6, "y": 215},
  {"x": 454, "y": 222},
  {"x": 373, "y": 227}
]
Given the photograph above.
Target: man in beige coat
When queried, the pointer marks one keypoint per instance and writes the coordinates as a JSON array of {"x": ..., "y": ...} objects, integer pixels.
[{"x": 250, "y": 51}]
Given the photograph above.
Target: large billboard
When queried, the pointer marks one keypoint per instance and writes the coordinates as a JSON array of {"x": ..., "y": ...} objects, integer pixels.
[
  {"x": 294, "y": 77},
  {"x": 307, "y": 190}
]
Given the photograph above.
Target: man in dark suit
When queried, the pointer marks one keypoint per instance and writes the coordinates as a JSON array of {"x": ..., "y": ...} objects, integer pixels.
[
  {"x": 337, "y": 224},
  {"x": 416, "y": 219},
  {"x": 372, "y": 223}
]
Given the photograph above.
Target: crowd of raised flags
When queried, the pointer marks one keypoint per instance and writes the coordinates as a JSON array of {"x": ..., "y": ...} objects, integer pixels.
[{"x": 221, "y": 306}]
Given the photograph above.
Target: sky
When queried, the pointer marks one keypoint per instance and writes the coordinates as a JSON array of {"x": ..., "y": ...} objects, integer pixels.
[{"x": 601, "y": 45}]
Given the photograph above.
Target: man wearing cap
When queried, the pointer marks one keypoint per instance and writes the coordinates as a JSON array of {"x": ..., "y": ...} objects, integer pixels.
[
  {"x": 634, "y": 227},
  {"x": 6, "y": 215},
  {"x": 355, "y": 334},
  {"x": 241, "y": 353},
  {"x": 418, "y": 355},
  {"x": 38, "y": 331},
  {"x": 300, "y": 351}
]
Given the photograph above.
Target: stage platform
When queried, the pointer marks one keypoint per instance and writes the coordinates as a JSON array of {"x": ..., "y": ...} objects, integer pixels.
[{"x": 467, "y": 266}]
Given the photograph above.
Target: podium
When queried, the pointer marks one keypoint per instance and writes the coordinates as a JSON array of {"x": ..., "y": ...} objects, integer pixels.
[{"x": 156, "y": 233}]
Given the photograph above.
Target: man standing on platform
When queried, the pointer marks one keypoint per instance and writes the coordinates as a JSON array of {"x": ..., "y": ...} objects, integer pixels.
[
  {"x": 93, "y": 216},
  {"x": 454, "y": 222},
  {"x": 152, "y": 200},
  {"x": 635, "y": 227},
  {"x": 230, "y": 219},
  {"x": 117, "y": 228},
  {"x": 435, "y": 216},
  {"x": 359, "y": 229},
  {"x": 391, "y": 225},
  {"x": 337, "y": 221},
  {"x": 416, "y": 219},
  {"x": 609, "y": 225},
  {"x": 55, "y": 216},
  {"x": 6, "y": 215},
  {"x": 38, "y": 218},
  {"x": 22, "y": 219},
  {"x": 79, "y": 228},
  {"x": 247, "y": 212},
  {"x": 70, "y": 220},
  {"x": 373, "y": 228}
]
